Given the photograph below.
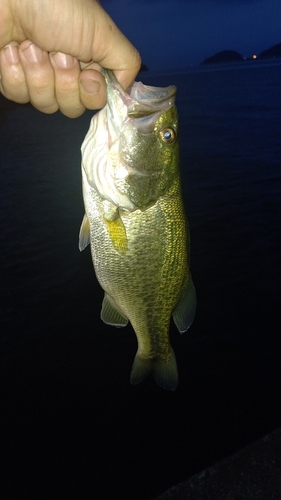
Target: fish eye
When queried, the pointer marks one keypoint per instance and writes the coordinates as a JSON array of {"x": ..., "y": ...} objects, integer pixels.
[{"x": 167, "y": 135}]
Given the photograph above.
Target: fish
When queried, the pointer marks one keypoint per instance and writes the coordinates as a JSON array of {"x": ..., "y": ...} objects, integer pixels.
[{"x": 135, "y": 222}]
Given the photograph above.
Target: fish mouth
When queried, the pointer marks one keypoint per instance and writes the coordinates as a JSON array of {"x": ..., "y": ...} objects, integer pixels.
[
  {"x": 147, "y": 100},
  {"x": 141, "y": 103}
]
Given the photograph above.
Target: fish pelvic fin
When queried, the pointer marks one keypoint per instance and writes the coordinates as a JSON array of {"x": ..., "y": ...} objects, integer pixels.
[
  {"x": 184, "y": 312},
  {"x": 84, "y": 235},
  {"x": 110, "y": 314},
  {"x": 164, "y": 371}
]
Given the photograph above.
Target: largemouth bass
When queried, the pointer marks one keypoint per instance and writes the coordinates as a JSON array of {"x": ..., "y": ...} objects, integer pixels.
[{"x": 135, "y": 222}]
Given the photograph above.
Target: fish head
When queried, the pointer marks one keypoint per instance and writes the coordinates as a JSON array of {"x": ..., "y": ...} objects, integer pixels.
[{"x": 135, "y": 144}]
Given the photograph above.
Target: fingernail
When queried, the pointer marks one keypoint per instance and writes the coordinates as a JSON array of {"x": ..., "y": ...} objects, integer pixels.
[
  {"x": 90, "y": 86},
  {"x": 63, "y": 60},
  {"x": 33, "y": 53},
  {"x": 12, "y": 54}
]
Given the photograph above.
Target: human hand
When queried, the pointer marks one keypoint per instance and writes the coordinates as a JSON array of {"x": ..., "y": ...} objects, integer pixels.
[{"x": 51, "y": 53}]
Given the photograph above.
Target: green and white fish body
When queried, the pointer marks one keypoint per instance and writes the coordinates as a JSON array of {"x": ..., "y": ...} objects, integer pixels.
[{"x": 135, "y": 222}]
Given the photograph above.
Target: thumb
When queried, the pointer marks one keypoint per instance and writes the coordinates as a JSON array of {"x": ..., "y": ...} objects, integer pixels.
[{"x": 112, "y": 50}]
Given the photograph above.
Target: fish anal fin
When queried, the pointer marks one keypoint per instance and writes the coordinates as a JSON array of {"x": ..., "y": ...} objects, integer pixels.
[
  {"x": 184, "y": 312},
  {"x": 164, "y": 371},
  {"x": 110, "y": 315},
  {"x": 84, "y": 234}
]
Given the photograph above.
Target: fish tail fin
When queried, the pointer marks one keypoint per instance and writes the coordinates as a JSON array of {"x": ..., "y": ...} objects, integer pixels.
[
  {"x": 141, "y": 369},
  {"x": 164, "y": 371}
]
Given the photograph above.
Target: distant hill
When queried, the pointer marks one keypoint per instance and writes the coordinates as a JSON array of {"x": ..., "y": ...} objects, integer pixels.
[
  {"x": 225, "y": 56},
  {"x": 274, "y": 51}
]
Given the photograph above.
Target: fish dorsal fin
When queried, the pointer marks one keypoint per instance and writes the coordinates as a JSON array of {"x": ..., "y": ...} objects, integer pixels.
[
  {"x": 109, "y": 313},
  {"x": 84, "y": 234},
  {"x": 184, "y": 312}
]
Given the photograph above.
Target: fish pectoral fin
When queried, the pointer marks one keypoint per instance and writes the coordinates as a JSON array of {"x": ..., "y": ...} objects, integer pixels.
[
  {"x": 117, "y": 234},
  {"x": 84, "y": 234},
  {"x": 184, "y": 312},
  {"x": 109, "y": 313},
  {"x": 164, "y": 371}
]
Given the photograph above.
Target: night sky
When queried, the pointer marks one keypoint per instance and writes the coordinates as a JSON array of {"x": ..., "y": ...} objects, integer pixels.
[{"x": 179, "y": 33}]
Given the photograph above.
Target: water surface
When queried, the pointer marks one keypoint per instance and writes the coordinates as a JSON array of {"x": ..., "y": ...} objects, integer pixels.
[{"x": 75, "y": 424}]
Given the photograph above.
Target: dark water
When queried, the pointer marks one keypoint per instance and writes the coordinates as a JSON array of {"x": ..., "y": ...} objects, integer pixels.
[{"x": 74, "y": 427}]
